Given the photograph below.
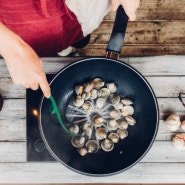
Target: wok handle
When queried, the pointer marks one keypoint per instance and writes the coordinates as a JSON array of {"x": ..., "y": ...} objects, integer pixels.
[{"x": 118, "y": 33}]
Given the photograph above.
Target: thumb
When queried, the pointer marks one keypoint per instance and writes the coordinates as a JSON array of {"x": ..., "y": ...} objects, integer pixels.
[
  {"x": 114, "y": 5},
  {"x": 45, "y": 86},
  {"x": 132, "y": 16}
]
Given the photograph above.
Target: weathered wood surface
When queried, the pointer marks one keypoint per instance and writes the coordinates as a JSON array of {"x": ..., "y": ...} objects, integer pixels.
[
  {"x": 158, "y": 30},
  {"x": 57, "y": 173},
  {"x": 158, "y": 10},
  {"x": 162, "y": 164},
  {"x": 146, "y": 33}
]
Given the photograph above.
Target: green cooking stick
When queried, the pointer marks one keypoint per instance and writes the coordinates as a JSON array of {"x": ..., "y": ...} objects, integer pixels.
[{"x": 55, "y": 110}]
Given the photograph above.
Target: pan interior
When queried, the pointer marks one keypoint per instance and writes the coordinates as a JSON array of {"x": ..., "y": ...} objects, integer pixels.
[{"x": 130, "y": 84}]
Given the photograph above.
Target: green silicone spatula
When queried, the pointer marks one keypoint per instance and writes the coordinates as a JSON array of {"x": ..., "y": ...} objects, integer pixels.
[{"x": 54, "y": 110}]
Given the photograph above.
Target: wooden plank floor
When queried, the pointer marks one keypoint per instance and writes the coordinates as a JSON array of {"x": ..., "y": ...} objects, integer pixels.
[{"x": 158, "y": 30}]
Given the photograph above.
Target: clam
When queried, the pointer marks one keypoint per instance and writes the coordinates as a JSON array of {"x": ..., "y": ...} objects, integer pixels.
[
  {"x": 179, "y": 141},
  {"x": 85, "y": 125},
  {"x": 87, "y": 129},
  {"x": 127, "y": 110},
  {"x": 74, "y": 128},
  {"x": 104, "y": 93},
  {"x": 100, "y": 102},
  {"x": 173, "y": 122},
  {"x": 112, "y": 124},
  {"x": 98, "y": 83},
  {"x": 78, "y": 101},
  {"x": 87, "y": 106},
  {"x": 101, "y": 133},
  {"x": 97, "y": 120},
  {"x": 114, "y": 137},
  {"x": 88, "y": 86},
  {"x": 92, "y": 146},
  {"x": 122, "y": 133},
  {"x": 79, "y": 89},
  {"x": 115, "y": 113},
  {"x": 94, "y": 94},
  {"x": 78, "y": 141},
  {"x": 122, "y": 124},
  {"x": 107, "y": 145},
  {"x": 119, "y": 106},
  {"x": 86, "y": 95},
  {"x": 130, "y": 120},
  {"x": 82, "y": 151},
  {"x": 126, "y": 101},
  {"x": 114, "y": 99},
  {"x": 111, "y": 86}
]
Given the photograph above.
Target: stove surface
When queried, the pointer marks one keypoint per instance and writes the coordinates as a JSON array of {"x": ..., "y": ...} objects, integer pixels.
[{"x": 36, "y": 150}]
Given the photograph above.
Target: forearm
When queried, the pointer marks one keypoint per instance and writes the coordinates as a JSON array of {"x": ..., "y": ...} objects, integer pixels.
[
  {"x": 23, "y": 63},
  {"x": 9, "y": 42}
]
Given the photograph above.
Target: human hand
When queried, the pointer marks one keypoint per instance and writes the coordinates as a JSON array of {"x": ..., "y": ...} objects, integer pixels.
[
  {"x": 130, "y": 7},
  {"x": 27, "y": 69},
  {"x": 23, "y": 63}
]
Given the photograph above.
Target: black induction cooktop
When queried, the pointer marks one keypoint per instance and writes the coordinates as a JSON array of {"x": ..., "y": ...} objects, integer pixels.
[{"x": 36, "y": 150}]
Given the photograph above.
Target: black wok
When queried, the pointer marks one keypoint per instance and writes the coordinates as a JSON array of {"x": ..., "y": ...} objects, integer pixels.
[{"x": 130, "y": 83}]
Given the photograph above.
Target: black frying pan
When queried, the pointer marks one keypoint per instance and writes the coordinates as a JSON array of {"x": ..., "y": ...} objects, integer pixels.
[{"x": 130, "y": 83}]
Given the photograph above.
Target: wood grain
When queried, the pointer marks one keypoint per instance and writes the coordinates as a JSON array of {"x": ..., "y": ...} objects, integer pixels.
[
  {"x": 56, "y": 173},
  {"x": 158, "y": 30},
  {"x": 157, "y": 10},
  {"x": 162, "y": 164}
]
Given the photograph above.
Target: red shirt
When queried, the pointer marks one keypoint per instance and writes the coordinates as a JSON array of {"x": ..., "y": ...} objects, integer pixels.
[{"x": 48, "y": 26}]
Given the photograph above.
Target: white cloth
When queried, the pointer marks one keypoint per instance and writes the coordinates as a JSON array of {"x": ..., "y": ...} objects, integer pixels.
[{"x": 89, "y": 13}]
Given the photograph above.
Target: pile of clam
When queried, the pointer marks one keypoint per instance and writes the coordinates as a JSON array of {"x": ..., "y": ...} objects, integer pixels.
[{"x": 105, "y": 116}]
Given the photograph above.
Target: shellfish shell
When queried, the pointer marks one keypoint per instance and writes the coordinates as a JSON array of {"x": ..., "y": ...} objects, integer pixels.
[
  {"x": 122, "y": 124},
  {"x": 82, "y": 151},
  {"x": 101, "y": 133},
  {"x": 173, "y": 122},
  {"x": 86, "y": 95},
  {"x": 130, "y": 120},
  {"x": 78, "y": 141},
  {"x": 87, "y": 106},
  {"x": 97, "y": 120},
  {"x": 94, "y": 94},
  {"x": 127, "y": 110},
  {"x": 179, "y": 141},
  {"x": 74, "y": 128},
  {"x": 126, "y": 101},
  {"x": 119, "y": 106},
  {"x": 122, "y": 133},
  {"x": 100, "y": 102},
  {"x": 79, "y": 89},
  {"x": 98, "y": 83},
  {"x": 92, "y": 146},
  {"x": 87, "y": 130},
  {"x": 103, "y": 93},
  {"x": 115, "y": 113},
  {"x": 111, "y": 86},
  {"x": 78, "y": 101},
  {"x": 112, "y": 124},
  {"x": 114, "y": 137},
  {"x": 107, "y": 145},
  {"x": 114, "y": 99},
  {"x": 88, "y": 86}
]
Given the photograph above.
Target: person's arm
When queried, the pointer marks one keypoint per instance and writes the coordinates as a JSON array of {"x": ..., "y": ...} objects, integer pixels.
[
  {"x": 23, "y": 63},
  {"x": 130, "y": 7}
]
